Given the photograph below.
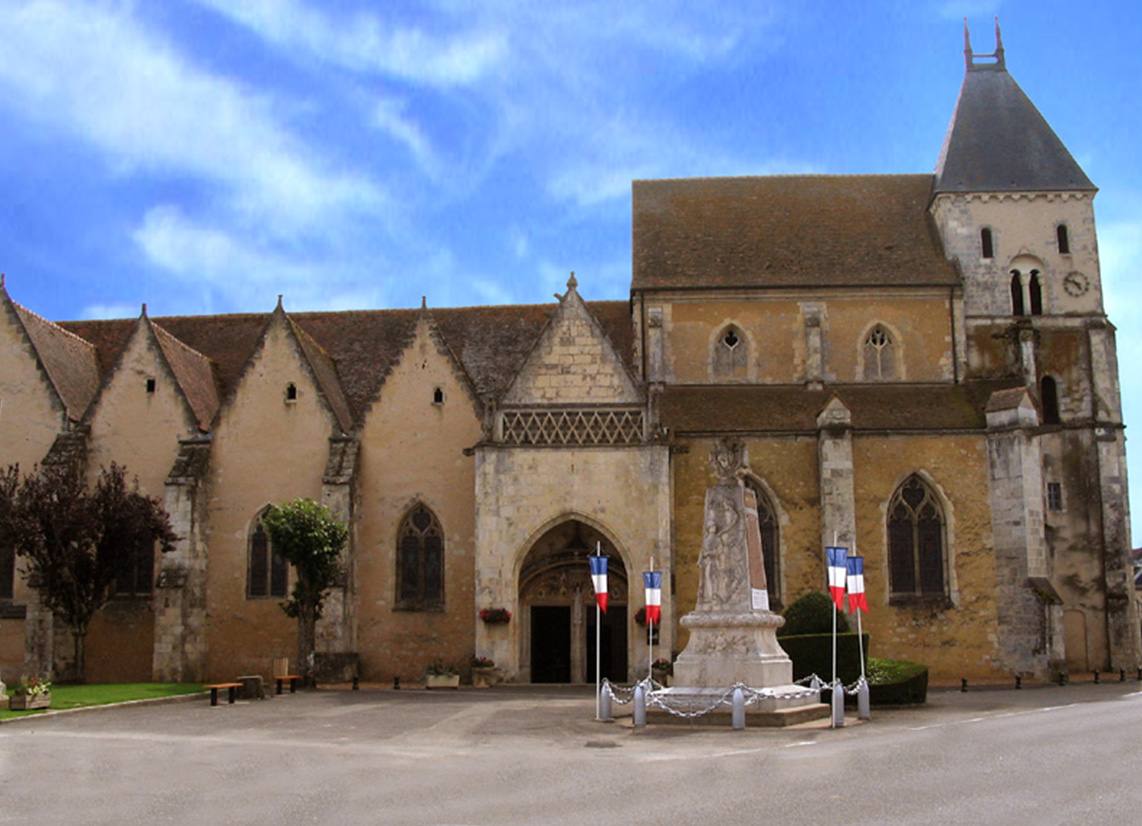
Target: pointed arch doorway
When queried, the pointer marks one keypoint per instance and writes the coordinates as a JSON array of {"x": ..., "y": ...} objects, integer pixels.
[{"x": 557, "y": 608}]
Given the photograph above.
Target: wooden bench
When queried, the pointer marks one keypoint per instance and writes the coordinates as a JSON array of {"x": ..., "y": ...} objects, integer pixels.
[
  {"x": 232, "y": 688},
  {"x": 293, "y": 678}
]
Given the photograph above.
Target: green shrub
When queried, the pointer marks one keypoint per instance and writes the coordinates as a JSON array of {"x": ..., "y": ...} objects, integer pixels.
[
  {"x": 812, "y": 613},
  {"x": 813, "y": 654},
  {"x": 896, "y": 682}
]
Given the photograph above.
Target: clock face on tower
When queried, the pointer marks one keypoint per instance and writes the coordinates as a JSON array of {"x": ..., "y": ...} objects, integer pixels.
[{"x": 1075, "y": 283}]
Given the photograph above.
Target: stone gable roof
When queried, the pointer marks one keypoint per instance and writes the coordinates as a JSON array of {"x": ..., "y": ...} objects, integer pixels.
[
  {"x": 69, "y": 361},
  {"x": 786, "y": 231},
  {"x": 325, "y": 372},
  {"x": 998, "y": 141},
  {"x": 354, "y": 350},
  {"x": 794, "y": 409}
]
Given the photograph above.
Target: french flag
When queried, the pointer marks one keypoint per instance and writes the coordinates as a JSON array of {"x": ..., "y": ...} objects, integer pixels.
[
  {"x": 857, "y": 599},
  {"x": 653, "y": 582},
  {"x": 599, "y": 579},
  {"x": 837, "y": 568}
]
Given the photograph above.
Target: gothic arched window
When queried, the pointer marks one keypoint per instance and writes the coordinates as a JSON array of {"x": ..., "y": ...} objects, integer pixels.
[
  {"x": 916, "y": 552},
  {"x": 880, "y": 355},
  {"x": 267, "y": 572},
  {"x": 986, "y": 246},
  {"x": 420, "y": 561},
  {"x": 1063, "y": 238},
  {"x": 731, "y": 354}
]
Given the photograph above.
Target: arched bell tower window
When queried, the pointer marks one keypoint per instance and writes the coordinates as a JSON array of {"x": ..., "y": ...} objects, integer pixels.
[
  {"x": 1035, "y": 293},
  {"x": 916, "y": 545},
  {"x": 730, "y": 358},
  {"x": 1049, "y": 396},
  {"x": 1016, "y": 293},
  {"x": 420, "y": 561},
  {"x": 880, "y": 355}
]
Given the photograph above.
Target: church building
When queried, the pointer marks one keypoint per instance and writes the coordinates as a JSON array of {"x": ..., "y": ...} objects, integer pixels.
[{"x": 919, "y": 368}]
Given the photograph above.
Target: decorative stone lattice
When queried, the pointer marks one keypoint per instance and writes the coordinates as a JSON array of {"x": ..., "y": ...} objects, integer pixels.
[{"x": 573, "y": 427}]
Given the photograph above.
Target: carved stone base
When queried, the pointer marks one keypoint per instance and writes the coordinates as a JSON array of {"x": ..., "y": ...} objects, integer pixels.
[{"x": 729, "y": 648}]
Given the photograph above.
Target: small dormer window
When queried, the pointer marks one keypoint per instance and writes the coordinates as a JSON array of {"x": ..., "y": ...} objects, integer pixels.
[
  {"x": 291, "y": 392},
  {"x": 150, "y": 385},
  {"x": 438, "y": 396},
  {"x": 1064, "y": 239},
  {"x": 987, "y": 249}
]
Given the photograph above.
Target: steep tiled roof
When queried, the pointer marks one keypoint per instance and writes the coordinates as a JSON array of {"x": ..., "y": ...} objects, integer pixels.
[
  {"x": 194, "y": 373},
  {"x": 787, "y": 408},
  {"x": 69, "y": 361},
  {"x": 325, "y": 372},
  {"x": 998, "y": 142},
  {"x": 786, "y": 231},
  {"x": 353, "y": 351}
]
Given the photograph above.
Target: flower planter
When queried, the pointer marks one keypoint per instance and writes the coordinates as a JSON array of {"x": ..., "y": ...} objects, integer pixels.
[
  {"x": 27, "y": 702},
  {"x": 484, "y": 677},
  {"x": 442, "y": 681}
]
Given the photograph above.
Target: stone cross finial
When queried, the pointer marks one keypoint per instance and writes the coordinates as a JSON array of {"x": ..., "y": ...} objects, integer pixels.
[{"x": 571, "y": 282}]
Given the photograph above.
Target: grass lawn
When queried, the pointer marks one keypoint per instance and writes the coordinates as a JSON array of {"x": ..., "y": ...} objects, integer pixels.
[{"x": 76, "y": 696}]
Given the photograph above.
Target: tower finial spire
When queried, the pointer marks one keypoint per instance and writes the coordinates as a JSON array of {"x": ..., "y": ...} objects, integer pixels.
[
  {"x": 1000, "y": 60},
  {"x": 967, "y": 45}
]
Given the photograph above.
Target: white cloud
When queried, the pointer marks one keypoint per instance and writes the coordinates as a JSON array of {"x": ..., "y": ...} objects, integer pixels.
[
  {"x": 389, "y": 117},
  {"x": 95, "y": 72},
  {"x": 101, "y": 311},
  {"x": 368, "y": 43}
]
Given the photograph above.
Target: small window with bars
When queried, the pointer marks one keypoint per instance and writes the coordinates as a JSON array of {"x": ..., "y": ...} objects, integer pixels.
[{"x": 1054, "y": 496}]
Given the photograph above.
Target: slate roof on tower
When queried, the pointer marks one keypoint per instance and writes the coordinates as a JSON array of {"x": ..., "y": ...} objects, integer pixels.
[{"x": 997, "y": 140}]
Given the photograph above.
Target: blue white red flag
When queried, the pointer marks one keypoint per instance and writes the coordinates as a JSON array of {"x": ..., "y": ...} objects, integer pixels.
[
  {"x": 857, "y": 599},
  {"x": 599, "y": 579},
  {"x": 837, "y": 568},
  {"x": 653, "y": 582}
]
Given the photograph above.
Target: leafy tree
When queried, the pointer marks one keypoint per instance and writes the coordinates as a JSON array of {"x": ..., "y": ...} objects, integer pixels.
[
  {"x": 310, "y": 538},
  {"x": 812, "y": 613},
  {"x": 75, "y": 542}
]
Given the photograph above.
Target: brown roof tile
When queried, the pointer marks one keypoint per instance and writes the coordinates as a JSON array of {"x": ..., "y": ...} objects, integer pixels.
[
  {"x": 786, "y": 231},
  {"x": 195, "y": 375},
  {"x": 69, "y": 361},
  {"x": 786, "y": 408}
]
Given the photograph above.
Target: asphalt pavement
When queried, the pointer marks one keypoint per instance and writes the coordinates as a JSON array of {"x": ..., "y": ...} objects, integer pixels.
[{"x": 530, "y": 754}]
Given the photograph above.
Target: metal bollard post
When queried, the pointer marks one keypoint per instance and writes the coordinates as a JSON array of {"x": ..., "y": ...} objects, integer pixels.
[
  {"x": 964, "y": 684},
  {"x": 396, "y": 683},
  {"x": 356, "y": 683},
  {"x": 739, "y": 710},
  {"x": 639, "y": 707},
  {"x": 1062, "y": 678},
  {"x": 864, "y": 702},
  {"x": 1018, "y": 682},
  {"x": 838, "y": 705},
  {"x": 1097, "y": 678},
  {"x": 1122, "y": 675},
  {"x": 605, "y": 703}
]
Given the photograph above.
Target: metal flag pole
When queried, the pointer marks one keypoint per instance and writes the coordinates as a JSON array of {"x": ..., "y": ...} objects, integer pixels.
[
  {"x": 650, "y": 636},
  {"x": 598, "y": 652}
]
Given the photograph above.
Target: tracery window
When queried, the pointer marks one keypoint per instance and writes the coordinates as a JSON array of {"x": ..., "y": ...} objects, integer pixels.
[
  {"x": 268, "y": 572},
  {"x": 420, "y": 561},
  {"x": 916, "y": 545},
  {"x": 731, "y": 354},
  {"x": 880, "y": 355}
]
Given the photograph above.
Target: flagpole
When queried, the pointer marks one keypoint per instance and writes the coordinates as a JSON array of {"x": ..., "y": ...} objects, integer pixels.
[
  {"x": 598, "y": 653},
  {"x": 650, "y": 636}
]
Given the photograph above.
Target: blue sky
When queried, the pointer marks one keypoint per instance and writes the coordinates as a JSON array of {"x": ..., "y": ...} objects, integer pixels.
[{"x": 204, "y": 156}]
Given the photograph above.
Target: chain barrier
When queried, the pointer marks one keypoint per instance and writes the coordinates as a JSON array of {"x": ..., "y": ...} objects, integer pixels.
[{"x": 622, "y": 695}]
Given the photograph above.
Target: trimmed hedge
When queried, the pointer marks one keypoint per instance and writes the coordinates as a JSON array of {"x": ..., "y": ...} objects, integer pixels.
[
  {"x": 813, "y": 654},
  {"x": 908, "y": 686},
  {"x": 812, "y": 613}
]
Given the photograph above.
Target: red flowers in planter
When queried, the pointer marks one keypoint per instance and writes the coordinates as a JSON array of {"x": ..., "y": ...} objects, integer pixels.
[{"x": 496, "y": 616}]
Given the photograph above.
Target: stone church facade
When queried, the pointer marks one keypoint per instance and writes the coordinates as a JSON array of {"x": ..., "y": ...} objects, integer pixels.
[{"x": 919, "y": 367}]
